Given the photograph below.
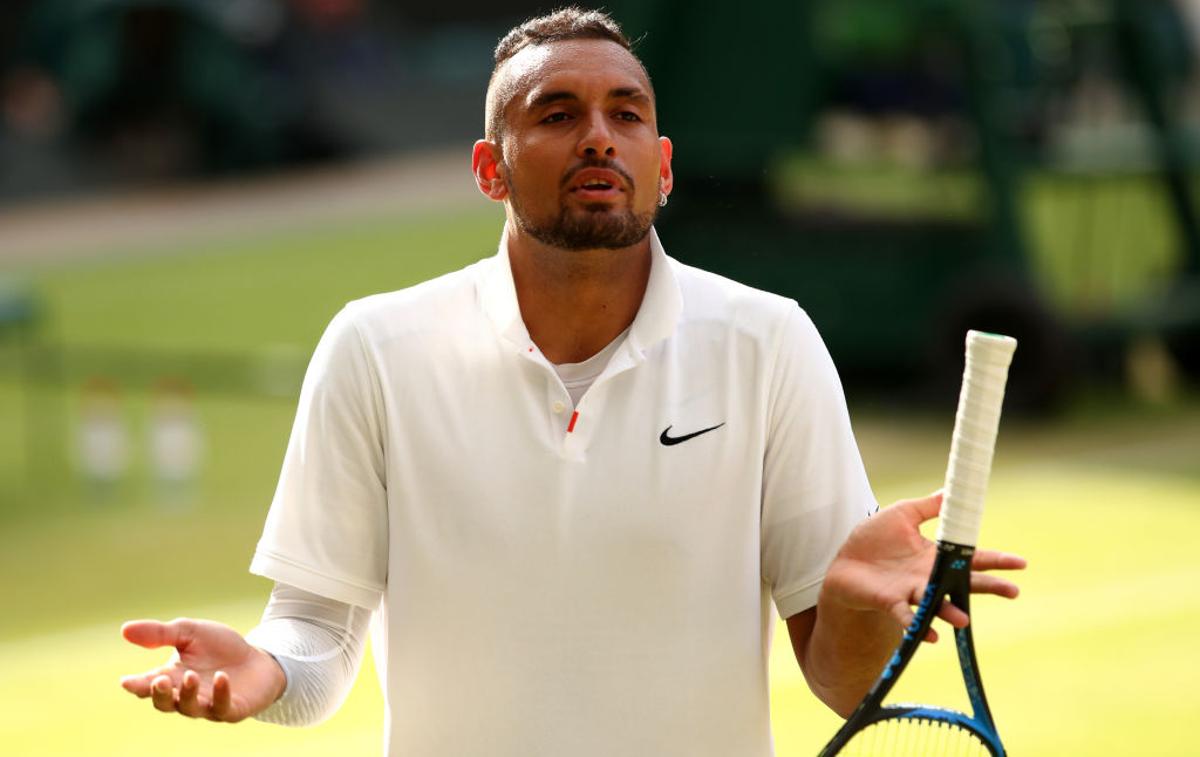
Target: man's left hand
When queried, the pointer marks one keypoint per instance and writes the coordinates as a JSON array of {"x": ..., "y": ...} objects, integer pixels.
[{"x": 885, "y": 564}]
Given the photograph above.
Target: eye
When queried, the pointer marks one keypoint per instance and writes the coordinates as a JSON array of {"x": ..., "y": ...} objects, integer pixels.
[
  {"x": 555, "y": 118},
  {"x": 628, "y": 115}
]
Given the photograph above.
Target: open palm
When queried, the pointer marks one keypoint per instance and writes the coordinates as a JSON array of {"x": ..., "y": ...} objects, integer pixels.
[
  {"x": 885, "y": 564},
  {"x": 213, "y": 674}
]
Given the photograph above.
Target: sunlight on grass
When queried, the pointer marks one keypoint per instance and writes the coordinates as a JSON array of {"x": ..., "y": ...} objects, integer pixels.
[
  {"x": 1095, "y": 658},
  {"x": 63, "y": 698}
]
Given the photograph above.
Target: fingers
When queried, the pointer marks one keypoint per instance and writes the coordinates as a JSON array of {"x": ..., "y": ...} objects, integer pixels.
[
  {"x": 139, "y": 685},
  {"x": 222, "y": 699},
  {"x": 919, "y": 510},
  {"x": 953, "y": 615},
  {"x": 148, "y": 633},
  {"x": 990, "y": 559},
  {"x": 154, "y": 633},
  {"x": 190, "y": 703},
  {"x": 981, "y": 583},
  {"x": 985, "y": 583},
  {"x": 188, "y": 698},
  {"x": 162, "y": 694},
  {"x": 145, "y": 633},
  {"x": 903, "y": 613}
]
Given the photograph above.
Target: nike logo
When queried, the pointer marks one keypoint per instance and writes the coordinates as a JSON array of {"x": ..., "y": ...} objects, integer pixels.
[{"x": 667, "y": 441}]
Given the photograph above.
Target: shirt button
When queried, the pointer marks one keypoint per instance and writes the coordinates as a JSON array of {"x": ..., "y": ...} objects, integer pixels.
[{"x": 558, "y": 407}]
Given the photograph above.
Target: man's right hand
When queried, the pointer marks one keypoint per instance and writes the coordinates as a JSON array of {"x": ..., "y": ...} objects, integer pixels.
[{"x": 214, "y": 673}]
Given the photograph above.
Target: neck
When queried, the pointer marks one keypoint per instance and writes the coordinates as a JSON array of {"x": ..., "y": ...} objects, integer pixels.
[{"x": 575, "y": 302}]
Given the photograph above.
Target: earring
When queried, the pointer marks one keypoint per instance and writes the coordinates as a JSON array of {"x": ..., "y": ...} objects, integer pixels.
[{"x": 662, "y": 199}]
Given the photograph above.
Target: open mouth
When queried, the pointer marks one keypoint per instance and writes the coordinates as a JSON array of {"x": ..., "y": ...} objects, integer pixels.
[
  {"x": 597, "y": 192},
  {"x": 597, "y": 185}
]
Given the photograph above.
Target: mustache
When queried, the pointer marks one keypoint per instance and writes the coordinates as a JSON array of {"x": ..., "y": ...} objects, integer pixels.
[{"x": 602, "y": 163}]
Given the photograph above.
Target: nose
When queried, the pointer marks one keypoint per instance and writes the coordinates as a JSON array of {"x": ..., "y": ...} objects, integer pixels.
[{"x": 597, "y": 140}]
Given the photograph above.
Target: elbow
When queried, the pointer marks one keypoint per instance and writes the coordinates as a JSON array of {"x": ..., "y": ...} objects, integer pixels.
[
  {"x": 842, "y": 697},
  {"x": 841, "y": 700},
  {"x": 844, "y": 707}
]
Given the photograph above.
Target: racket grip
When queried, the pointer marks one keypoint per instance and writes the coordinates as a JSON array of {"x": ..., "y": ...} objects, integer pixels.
[{"x": 975, "y": 425}]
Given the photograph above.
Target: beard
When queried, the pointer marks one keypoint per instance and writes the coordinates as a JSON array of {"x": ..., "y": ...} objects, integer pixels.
[
  {"x": 594, "y": 226},
  {"x": 597, "y": 226}
]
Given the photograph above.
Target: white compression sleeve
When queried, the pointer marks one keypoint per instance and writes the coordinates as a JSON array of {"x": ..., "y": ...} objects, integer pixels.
[{"x": 319, "y": 644}]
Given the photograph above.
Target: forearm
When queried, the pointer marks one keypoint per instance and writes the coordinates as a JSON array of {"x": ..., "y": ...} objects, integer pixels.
[
  {"x": 845, "y": 652},
  {"x": 319, "y": 644}
]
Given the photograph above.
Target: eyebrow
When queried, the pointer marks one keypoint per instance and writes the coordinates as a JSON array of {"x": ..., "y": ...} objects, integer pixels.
[{"x": 620, "y": 93}]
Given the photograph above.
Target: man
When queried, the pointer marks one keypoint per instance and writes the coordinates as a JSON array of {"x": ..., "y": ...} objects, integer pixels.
[{"x": 570, "y": 478}]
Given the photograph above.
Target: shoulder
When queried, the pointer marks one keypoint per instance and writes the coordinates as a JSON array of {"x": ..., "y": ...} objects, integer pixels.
[
  {"x": 714, "y": 301},
  {"x": 437, "y": 304}
]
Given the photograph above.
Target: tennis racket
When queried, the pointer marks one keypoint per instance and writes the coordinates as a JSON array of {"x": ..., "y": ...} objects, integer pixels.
[{"x": 912, "y": 729}]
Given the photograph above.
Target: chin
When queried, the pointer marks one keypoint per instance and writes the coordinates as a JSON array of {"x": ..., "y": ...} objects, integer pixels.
[
  {"x": 594, "y": 225},
  {"x": 600, "y": 207}
]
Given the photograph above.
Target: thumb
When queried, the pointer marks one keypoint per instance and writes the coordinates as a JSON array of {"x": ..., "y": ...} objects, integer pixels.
[
  {"x": 154, "y": 633},
  {"x": 921, "y": 509}
]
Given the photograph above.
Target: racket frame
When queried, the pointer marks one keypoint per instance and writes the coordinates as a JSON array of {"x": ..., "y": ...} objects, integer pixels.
[{"x": 950, "y": 577}]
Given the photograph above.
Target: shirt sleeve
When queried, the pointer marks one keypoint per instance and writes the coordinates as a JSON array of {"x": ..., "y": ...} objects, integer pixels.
[
  {"x": 815, "y": 488},
  {"x": 327, "y": 530},
  {"x": 319, "y": 643}
]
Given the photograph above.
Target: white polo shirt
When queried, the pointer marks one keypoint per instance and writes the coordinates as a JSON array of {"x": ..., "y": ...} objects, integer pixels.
[{"x": 603, "y": 590}]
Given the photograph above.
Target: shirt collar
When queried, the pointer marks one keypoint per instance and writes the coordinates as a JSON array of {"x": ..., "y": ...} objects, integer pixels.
[{"x": 656, "y": 317}]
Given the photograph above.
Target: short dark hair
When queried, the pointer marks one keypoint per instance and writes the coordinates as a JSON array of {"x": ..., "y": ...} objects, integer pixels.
[{"x": 571, "y": 22}]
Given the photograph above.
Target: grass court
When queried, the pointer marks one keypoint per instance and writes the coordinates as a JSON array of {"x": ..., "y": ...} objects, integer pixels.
[{"x": 1097, "y": 657}]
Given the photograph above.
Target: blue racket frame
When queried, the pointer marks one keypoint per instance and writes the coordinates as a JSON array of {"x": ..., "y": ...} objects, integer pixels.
[{"x": 950, "y": 577}]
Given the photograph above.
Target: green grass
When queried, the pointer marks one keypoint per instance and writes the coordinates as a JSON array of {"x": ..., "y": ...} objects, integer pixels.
[
  {"x": 1096, "y": 657},
  {"x": 279, "y": 289},
  {"x": 273, "y": 294},
  {"x": 62, "y": 698}
]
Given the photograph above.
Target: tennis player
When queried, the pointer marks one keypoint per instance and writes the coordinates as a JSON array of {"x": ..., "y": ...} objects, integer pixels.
[{"x": 569, "y": 481}]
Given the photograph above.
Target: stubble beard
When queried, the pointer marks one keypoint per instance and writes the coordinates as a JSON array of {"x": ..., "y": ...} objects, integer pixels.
[{"x": 593, "y": 226}]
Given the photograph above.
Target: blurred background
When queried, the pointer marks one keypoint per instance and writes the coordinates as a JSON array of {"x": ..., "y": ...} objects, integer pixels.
[{"x": 190, "y": 189}]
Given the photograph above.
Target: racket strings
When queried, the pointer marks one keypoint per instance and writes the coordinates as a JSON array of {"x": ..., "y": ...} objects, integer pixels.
[{"x": 897, "y": 737}]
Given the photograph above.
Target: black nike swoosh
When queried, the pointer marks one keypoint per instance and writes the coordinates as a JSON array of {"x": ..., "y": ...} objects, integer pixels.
[{"x": 667, "y": 441}]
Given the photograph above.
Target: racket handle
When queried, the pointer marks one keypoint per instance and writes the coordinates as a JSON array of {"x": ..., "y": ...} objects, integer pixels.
[{"x": 975, "y": 425}]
